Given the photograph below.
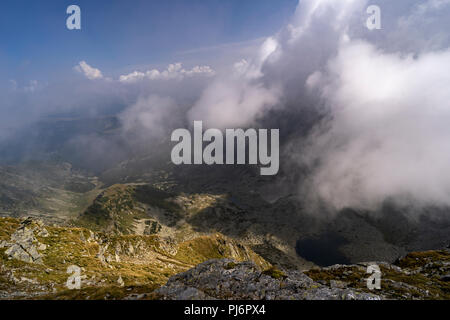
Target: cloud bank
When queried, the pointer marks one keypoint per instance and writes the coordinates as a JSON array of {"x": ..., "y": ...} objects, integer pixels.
[
  {"x": 382, "y": 97},
  {"x": 388, "y": 133}
]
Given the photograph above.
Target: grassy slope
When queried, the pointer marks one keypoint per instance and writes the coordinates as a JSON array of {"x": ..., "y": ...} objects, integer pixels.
[{"x": 147, "y": 267}]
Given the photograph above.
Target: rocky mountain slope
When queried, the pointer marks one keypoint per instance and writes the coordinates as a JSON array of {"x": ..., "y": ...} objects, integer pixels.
[
  {"x": 34, "y": 260},
  {"x": 151, "y": 209},
  {"x": 38, "y": 262},
  {"x": 186, "y": 202},
  {"x": 421, "y": 275}
]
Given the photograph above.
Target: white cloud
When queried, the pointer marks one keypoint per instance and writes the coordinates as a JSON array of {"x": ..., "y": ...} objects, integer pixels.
[
  {"x": 173, "y": 71},
  {"x": 389, "y": 133},
  {"x": 238, "y": 98},
  {"x": 385, "y": 132},
  {"x": 233, "y": 103},
  {"x": 88, "y": 71},
  {"x": 149, "y": 118}
]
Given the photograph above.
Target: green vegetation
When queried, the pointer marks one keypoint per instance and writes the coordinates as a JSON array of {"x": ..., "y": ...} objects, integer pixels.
[
  {"x": 418, "y": 259},
  {"x": 230, "y": 265},
  {"x": 275, "y": 273},
  {"x": 216, "y": 247}
]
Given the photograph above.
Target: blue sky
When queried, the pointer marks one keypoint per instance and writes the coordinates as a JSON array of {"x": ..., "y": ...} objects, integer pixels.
[{"x": 120, "y": 35}]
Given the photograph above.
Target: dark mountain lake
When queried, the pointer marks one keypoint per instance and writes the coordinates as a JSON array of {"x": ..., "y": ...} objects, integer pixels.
[{"x": 323, "y": 250}]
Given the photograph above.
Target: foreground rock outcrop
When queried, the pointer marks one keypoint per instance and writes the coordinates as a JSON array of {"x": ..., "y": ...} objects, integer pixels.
[
  {"x": 226, "y": 279},
  {"x": 418, "y": 275},
  {"x": 23, "y": 244}
]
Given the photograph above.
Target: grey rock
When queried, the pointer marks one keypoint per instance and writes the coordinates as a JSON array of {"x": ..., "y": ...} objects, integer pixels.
[
  {"x": 17, "y": 252},
  {"x": 214, "y": 280},
  {"x": 337, "y": 284},
  {"x": 23, "y": 244}
]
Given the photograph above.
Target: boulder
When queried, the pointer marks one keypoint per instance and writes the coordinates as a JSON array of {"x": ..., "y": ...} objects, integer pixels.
[{"x": 23, "y": 244}]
